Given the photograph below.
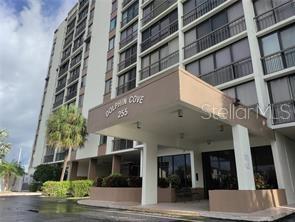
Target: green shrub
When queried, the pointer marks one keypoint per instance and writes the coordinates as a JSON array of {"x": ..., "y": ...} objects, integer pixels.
[
  {"x": 115, "y": 180},
  {"x": 48, "y": 172},
  {"x": 163, "y": 182},
  {"x": 80, "y": 188},
  {"x": 134, "y": 182},
  {"x": 56, "y": 189},
  {"x": 99, "y": 181},
  {"x": 174, "y": 180},
  {"x": 35, "y": 186}
]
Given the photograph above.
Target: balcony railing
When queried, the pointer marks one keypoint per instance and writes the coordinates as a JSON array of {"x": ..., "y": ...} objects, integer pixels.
[
  {"x": 126, "y": 87},
  {"x": 224, "y": 32},
  {"x": 57, "y": 103},
  {"x": 128, "y": 18},
  {"x": 157, "y": 11},
  {"x": 200, "y": 10},
  {"x": 80, "y": 28},
  {"x": 82, "y": 4},
  {"x": 160, "y": 65},
  {"x": 228, "y": 73},
  {"x": 71, "y": 95},
  {"x": 60, "y": 156},
  {"x": 128, "y": 39},
  {"x": 279, "y": 60},
  {"x": 275, "y": 15},
  {"x": 283, "y": 112},
  {"x": 165, "y": 32},
  {"x": 48, "y": 158},
  {"x": 63, "y": 70},
  {"x": 73, "y": 78},
  {"x": 125, "y": 2},
  {"x": 60, "y": 86},
  {"x": 127, "y": 62},
  {"x": 121, "y": 144}
]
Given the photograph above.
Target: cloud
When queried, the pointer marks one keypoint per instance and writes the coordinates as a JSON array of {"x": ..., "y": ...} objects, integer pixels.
[{"x": 25, "y": 43}]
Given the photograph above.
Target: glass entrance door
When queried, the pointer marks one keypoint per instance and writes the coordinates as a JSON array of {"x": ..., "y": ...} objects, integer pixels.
[{"x": 219, "y": 171}]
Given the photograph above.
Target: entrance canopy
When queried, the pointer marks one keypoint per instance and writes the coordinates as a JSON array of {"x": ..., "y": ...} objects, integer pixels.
[{"x": 174, "y": 107}]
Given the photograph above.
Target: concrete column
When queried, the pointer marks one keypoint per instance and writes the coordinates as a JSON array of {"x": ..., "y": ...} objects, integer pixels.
[
  {"x": 116, "y": 164},
  {"x": 139, "y": 40},
  {"x": 73, "y": 170},
  {"x": 141, "y": 163},
  {"x": 193, "y": 169},
  {"x": 150, "y": 176},
  {"x": 284, "y": 160},
  {"x": 243, "y": 158},
  {"x": 92, "y": 169},
  {"x": 180, "y": 33},
  {"x": 261, "y": 88}
]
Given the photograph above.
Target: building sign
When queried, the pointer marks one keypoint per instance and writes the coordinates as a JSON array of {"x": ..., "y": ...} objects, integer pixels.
[{"x": 121, "y": 106}]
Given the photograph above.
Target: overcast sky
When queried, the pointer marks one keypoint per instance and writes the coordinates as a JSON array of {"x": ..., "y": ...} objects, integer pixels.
[{"x": 26, "y": 32}]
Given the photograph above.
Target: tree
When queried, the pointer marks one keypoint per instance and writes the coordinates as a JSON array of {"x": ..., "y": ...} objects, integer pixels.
[
  {"x": 45, "y": 173},
  {"x": 4, "y": 146},
  {"x": 66, "y": 130},
  {"x": 7, "y": 170}
]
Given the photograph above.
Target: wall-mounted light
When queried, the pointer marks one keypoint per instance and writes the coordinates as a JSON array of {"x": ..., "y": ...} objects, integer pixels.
[
  {"x": 237, "y": 102},
  {"x": 138, "y": 125},
  {"x": 180, "y": 113}
]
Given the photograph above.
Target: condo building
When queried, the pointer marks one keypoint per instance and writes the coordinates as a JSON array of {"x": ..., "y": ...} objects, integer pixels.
[{"x": 201, "y": 89}]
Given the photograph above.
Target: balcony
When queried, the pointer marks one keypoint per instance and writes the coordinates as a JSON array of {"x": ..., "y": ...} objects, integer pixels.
[
  {"x": 126, "y": 20},
  {"x": 48, "y": 158},
  {"x": 57, "y": 103},
  {"x": 162, "y": 64},
  {"x": 60, "y": 86},
  {"x": 228, "y": 73},
  {"x": 80, "y": 28},
  {"x": 200, "y": 10},
  {"x": 61, "y": 156},
  {"x": 157, "y": 37},
  {"x": 279, "y": 60},
  {"x": 215, "y": 37},
  {"x": 125, "y": 2},
  {"x": 82, "y": 4},
  {"x": 128, "y": 39},
  {"x": 63, "y": 70},
  {"x": 275, "y": 15},
  {"x": 127, "y": 62},
  {"x": 73, "y": 77},
  {"x": 157, "y": 11},
  {"x": 126, "y": 87},
  {"x": 71, "y": 95},
  {"x": 283, "y": 112},
  {"x": 121, "y": 144}
]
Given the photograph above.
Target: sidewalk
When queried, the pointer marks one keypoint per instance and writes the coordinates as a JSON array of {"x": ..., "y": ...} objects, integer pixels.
[
  {"x": 194, "y": 209},
  {"x": 15, "y": 194}
]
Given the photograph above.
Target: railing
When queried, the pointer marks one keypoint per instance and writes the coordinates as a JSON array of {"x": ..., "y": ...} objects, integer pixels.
[
  {"x": 283, "y": 112},
  {"x": 200, "y": 10},
  {"x": 228, "y": 73},
  {"x": 63, "y": 70},
  {"x": 168, "y": 30},
  {"x": 157, "y": 11},
  {"x": 160, "y": 65},
  {"x": 224, "y": 32},
  {"x": 48, "y": 158},
  {"x": 121, "y": 144},
  {"x": 129, "y": 18},
  {"x": 126, "y": 87},
  {"x": 66, "y": 55},
  {"x": 80, "y": 28},
  {"x": 61, "y": 86},
  {"x": 275, "y": 15},
  {"x": 279, "y": 60},
  {"x": 57, "y": 103},
  {"x": 73, "y": 78},
  {"x": 125, "y": 2},
  {"x": 71, "y": 95},
  {"x": 127, "y": 62},
  {"x": 82, "y": 3},
  {"x": 68, "y": 40},
  {"x": 61, "y": 156},
  {"x": 128, "y": 39}
]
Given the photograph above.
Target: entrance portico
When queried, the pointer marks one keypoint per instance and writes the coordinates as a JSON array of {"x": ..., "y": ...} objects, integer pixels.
[{"x": 181, "y": 111}]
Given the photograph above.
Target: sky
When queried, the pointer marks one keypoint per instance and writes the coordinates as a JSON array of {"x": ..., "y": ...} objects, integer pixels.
[{"x": 26, "y": 34}]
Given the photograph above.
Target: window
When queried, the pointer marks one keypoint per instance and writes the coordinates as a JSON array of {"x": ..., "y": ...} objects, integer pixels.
[
  {"x": 130, "y": 13},
  {"x": 85, "y": 64},
  {"x": 103, "y": 139},
  {"x": 110, "y": 63},
  {"x": 270, "y": 44},
  {"x": 83, "y": 81},
  {"x": 111, "y": 43},
  {"x": 113, "y": 23},
  {"x": 108, "y": 86},
  {"x": 114, "y": 5},
  {"x": 127, "y": 81}
]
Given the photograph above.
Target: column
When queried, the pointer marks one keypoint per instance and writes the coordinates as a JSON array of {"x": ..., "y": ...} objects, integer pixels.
[
  {"x": 141, "y": 163},
  {"x": 92, "y": 169},
  {"x": 284, "y": 158},
  {"x": 199, "y": 169},
  {"x": 73, "y": 170},
  {"x": 116, "y": 164},
  {"x": 193, "y": 169},
  {"x": 149, "y": 174},
  {"x": 243, "y": 158},
  {"x": 180, "y": 33}
]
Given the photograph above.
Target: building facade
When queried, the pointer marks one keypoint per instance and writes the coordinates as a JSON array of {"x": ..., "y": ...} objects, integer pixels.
[{"x": 166, "y": 63}]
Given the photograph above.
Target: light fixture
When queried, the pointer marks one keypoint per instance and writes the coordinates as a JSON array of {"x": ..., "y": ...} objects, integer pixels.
[
  {"x": 180, "y": 113},
  {"x": 236, "y": 102},
  {"x": 138, "y": 125}
]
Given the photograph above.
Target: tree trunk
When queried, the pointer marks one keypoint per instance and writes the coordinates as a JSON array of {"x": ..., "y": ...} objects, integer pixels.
[
  {"x": 6, "y": 182},
  {"x": 68, "y": 157}
]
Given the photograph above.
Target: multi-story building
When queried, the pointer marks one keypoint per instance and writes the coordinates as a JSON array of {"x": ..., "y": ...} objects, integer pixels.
[{"x": 166, "y": 64}]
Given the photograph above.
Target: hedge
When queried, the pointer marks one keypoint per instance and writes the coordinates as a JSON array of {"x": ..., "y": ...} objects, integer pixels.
[{"x": 76, "y": 188}]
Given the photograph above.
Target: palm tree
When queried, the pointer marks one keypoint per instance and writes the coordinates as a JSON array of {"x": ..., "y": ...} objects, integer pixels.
[
  {"x": 66, "y": 130},
  {"x": 4, "y": 146},
  {"x": 7, "y": 170}
]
